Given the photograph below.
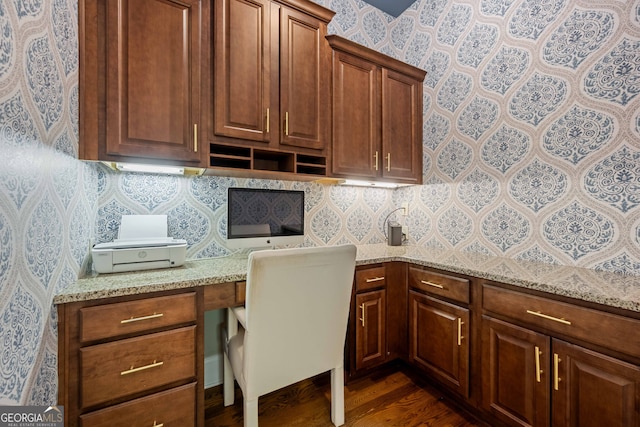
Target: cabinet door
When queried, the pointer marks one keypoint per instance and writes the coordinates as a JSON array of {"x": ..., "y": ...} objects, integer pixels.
[
  {"x": 356, "y": 117},
  {"x": 515, "y": 364},
  {"x": 401, "y": 127},
  {"x": 591, "y": 389},
  {"x": 438, "y": 340},
  {"x": 304, "y": 81},
  {"x": 242, "y": 65},
  {"x": 153, "y": 78},
  {"x": 370, "y": 328}
]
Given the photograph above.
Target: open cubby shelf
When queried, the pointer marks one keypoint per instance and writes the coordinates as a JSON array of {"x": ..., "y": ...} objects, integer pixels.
[{"x": 249, "y": 158}]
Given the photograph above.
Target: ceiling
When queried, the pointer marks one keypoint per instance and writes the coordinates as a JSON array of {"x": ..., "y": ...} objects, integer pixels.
[{"x": 392, "y": 7}]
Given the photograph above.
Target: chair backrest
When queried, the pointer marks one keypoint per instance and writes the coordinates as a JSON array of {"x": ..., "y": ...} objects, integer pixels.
[{"x": 297, "y": 307}]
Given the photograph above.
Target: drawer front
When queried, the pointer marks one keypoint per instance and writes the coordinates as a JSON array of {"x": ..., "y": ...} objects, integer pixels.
[
  {"x": 170, "y": 408},
  {"x": 370, "y": 278},
  {"x": 597, "y": 327},
  {"x": 112, "y": 320},
  {"x": 443, "y": 285},
  {"x": 121, "y": 368}
]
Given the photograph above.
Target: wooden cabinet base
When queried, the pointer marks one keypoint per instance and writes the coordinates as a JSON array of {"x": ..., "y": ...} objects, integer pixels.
[{"x": 172, "y": 407}]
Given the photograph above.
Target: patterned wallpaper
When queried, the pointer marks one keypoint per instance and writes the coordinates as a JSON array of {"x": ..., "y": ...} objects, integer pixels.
[
  {"x": 531, "y": 150},
  {"x": 47, "y": 197},
  {"x": 531, "y": 125}
]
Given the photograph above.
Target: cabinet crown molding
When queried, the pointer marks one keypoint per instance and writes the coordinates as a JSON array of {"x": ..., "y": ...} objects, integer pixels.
[{"x": 340, "y": 43}]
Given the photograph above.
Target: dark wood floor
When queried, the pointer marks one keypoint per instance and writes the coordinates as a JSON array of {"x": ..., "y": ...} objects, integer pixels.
[{"x": 392, "y": 397}]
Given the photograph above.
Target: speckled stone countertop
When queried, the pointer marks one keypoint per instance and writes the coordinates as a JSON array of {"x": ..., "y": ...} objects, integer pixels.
[{"x": 584, "y": 284}]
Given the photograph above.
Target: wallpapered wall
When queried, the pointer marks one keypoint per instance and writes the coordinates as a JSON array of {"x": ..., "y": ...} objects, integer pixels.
[
  {"x": 48, "y": 199},
  {"x": 531, "y": 125},
  {"x": 531, "y": 143}
]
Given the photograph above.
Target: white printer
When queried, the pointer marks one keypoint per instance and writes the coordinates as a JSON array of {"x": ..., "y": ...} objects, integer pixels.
[{"x": 142, "y": 244}]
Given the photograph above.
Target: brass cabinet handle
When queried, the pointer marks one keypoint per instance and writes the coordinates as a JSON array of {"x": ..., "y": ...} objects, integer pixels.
[
  {"x": 286, "y": 123},
  {"x": 375, "y": 279},
  {"x": 157, "y": 425},
  {"x": 138, "y": 319},
  {"x": 362, "y": 318},
  {"x": 546, "y": 316},
  {"x": 435, "y": 285},
  {"x": 388, "y": 162},
  {"x": 556, "y": 377},
  {"x": 195, "y": 138},
  {"x": 141, "y": 368},
  {"x": 375, "y": 156},
  {"x": 267, "y": 120},
  {"x": 538, "y": 370},
  {"x": 460, "y": 323}
]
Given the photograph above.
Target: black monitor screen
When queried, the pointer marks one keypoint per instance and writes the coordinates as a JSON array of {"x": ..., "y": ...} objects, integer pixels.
[{"x": 255, "y": 212}]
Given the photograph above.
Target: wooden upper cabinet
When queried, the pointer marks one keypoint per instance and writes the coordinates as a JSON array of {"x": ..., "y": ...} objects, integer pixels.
[
  {"x": 377, "y": 115},
  {"x": 271, "y": 73},
  {"x": 242, "y": 61},
  {"x": 140, "y": 82},
  {"x": 356, "y": 131},
  {"x": 304, "y": 80},
  {"x": 401, "y": 126}
]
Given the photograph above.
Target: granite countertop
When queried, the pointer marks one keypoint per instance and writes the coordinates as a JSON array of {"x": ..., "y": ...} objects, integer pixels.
[{"x": 606, "y": 288}]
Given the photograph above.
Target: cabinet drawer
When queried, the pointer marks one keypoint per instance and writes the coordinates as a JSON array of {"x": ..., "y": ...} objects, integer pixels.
[
  {"x": 121, "y": 368},
  {"x": 370, "y": 278},
  {"x": 112, "y": 320},
  {"x": 594, "y": 326},
  {"x": 172, "y": 407},
  {"x": 443, "y": 285}
]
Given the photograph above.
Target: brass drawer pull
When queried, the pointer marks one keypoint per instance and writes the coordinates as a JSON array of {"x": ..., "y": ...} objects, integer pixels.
[
  {"x": 545, "y": 316},
  {"x": 141, "y": 368},
  {"x": 375, "y": 279},
  {"x": 362, "y": 318},
  {"x": 157, "y": 425},
  {"x": 388, "y": 162},
  {"x": 137, "y": 319},
  {"x": 538, "y": 370},
  {"x": 435, "y": 285},
  {"x": 460, "y": 323},
  {"x": 375, "y": 156}
]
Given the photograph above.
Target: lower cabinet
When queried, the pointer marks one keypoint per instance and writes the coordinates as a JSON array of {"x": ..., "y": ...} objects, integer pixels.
[
  {"x": 591, "y": 389},
  {"x": 368, "y": 324},
  {"x": 439, "y": 327},
  {"x": 378, "y": 323},
  {"x": 437, "y": 340},
  {"x": 514, "y": 357},
  {"x": 132, "y": 361},
  {"x": 515, "y": 374},
  {"x": 370, "y": 329},
  {"x": 532, "y": 378},
  {"x": 172, "y": 407}
]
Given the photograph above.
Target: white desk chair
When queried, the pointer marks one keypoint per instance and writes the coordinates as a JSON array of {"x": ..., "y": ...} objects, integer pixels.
[{"x": 294, "y": 324}]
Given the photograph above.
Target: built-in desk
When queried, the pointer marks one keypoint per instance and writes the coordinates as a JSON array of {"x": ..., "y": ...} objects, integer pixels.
[{"x": 157, "y": 322}]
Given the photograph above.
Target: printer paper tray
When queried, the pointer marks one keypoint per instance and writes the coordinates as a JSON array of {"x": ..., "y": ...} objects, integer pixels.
[{"x": 150, "y": 265}]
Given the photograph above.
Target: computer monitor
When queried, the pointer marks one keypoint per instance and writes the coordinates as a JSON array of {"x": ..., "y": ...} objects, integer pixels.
[{"x": 259, "y": 218}]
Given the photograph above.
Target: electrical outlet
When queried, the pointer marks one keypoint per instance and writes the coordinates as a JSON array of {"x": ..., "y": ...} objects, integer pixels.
[
  {"x": 405, "y": 232},
  {"x": 405, "y": 209}
]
